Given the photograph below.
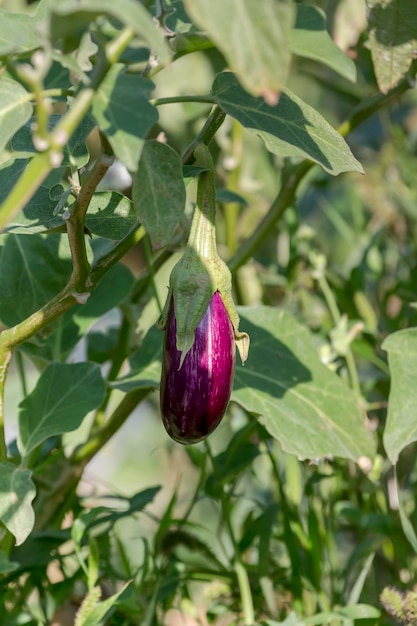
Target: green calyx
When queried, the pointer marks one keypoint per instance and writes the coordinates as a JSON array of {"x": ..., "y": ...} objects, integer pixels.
[{"x": 201, "y": 272}]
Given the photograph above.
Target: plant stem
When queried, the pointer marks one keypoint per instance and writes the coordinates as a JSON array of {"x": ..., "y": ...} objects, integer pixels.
[
  {"x": 206, "y": 134},
  {"x": 292, "y": 180},
  {"x": 40, "y": 166},
  {"x": 241, "y": 573},
  {"x": 335, "y": 313},
  {"x": 5, "y": 356},
  {"x": 86, "y": 451},
  {"x": 202, "y": 237},
  {"x": 178, "y": 99}
]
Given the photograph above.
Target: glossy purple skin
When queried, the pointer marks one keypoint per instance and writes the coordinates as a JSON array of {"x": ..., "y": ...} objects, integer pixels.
[{"x": 194, "y": 398}]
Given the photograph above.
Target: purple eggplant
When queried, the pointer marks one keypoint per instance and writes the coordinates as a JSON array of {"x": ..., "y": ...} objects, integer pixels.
[{"x": 194, "y": 396}]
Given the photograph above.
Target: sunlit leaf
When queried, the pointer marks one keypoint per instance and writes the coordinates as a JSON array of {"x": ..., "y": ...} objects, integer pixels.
[
  {"x": 15, "y": 108},
  {"x": 71, "y": 17},
  {"x": 124, "y": 114},
  {"x": 309, "y": 38},
  {"x": 392, "y": 26},
  {"x": 64, "y": 394},
  {"x": 290, "y": 129},
  {"x": 304, "y": 405},
  {"x": 16, "y": 494},
  {"x": 401, "y": 425},
  {"x": 254, "y": 38}
]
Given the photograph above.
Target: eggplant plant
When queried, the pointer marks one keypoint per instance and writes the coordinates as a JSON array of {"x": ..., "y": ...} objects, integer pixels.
[{"x": 209, "y": 148}]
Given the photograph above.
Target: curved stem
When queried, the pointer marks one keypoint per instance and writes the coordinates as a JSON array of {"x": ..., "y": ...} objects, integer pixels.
[
  {"x": 291, "y": 181},
  {"x": 86, "y": 451},
  {"x": 206, "y": 134},
  {"x": 178, "y": 99}
]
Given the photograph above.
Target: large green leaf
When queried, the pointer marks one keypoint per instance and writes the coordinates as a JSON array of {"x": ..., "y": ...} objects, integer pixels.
[
  {"x": 401, "y": 425},
  {"x": 290, "y": 129},
  {"x": 16, "y": 494},
  {"x": 304, "y": 405},
  {"x": 254, "y": 38},
  {"x": 32, "y": 271},
  {"x": 392, "y": 28},
  {"x": 17, "y": 33},
  {"x": 63, "y": 396},
  {"x": 15, "y": 108},
  {"x": 158, "y": 192},
  {"x": 123, "y": 112},
  {"x": 310, "y": 39},
  {"x": 71, "y": 16}
]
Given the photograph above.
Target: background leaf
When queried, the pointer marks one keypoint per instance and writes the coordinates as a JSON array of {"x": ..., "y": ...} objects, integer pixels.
[
  {"x": 290, "y": 129},
  {"x": 392, "y": 26},
  {"x": 32, "y": 270},
  {"x": 70, "y": 15},
  {"x": 64, "y": 394},
  {"x": 158, "y": 192},
  {"x": 17, "y": 33},
  {"x": 284, "y": 382},
  {"x": 253, "y": 37},
  {"x": 123, "y": 113},
  {"x": 401, "y": 425},
  {"x": 15, "y": 108},
  {"x": 16, "y": 494},
  {"x": 309, "y": 38}
]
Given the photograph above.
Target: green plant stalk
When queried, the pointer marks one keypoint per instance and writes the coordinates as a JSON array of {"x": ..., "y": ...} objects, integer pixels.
[
  {"x": 232, "y": 210},
  {"x": 206, "y": 134},
  {"x": 86, "y": 451},
  {"x": 178, "y": 99},
  {"x": 241, "y": 573},
  {"x": 75, "y": 222},
  {"x": 41, "y": 165},
  {"x": 335, "y": 313}
]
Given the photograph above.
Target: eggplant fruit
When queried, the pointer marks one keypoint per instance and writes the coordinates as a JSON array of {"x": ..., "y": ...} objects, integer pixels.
[{"x": 195, "y": 395}]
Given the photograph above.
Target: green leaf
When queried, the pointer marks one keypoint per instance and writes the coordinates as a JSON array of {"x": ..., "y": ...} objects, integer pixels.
[
  {"x": 254, "y": 38},
  {"x": 72, "y": 15},
  {"x": 310, "y": 39},
  {"x": 63, "y": 396},
  {"x": 16, "y": 494},
  {"x": 123, "y": 112},
  {"x": 158, "y": 192},
  {"x": 110, "y": 215},
  {"x": 290, "y": 129},
  {"x": 32, "y": 271},
  {"x": 15, "y": 108},
  {"x": 401, "y": 424},
  {"x": 17, "y": 33},
  {"x": 392, "y": 26},
  {"x": 37, "y": 216},
  {"x": 297, "y": 398},
  {"x": 145, "y": 364}
]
